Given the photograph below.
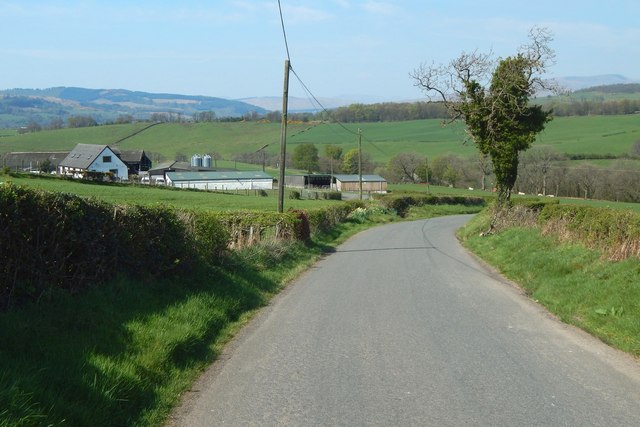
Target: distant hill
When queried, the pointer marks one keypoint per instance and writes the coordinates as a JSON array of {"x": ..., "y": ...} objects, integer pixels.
[
  {"x": 628, "y": 88},
  {"x": 21, "y": 106},
  {"x": 582, "y": 82}
]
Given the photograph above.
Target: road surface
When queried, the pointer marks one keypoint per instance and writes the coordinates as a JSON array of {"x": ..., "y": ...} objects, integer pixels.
[{"x": 400, "y": 326}]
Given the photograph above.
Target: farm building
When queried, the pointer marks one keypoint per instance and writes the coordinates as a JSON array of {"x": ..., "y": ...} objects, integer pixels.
[
  {"x": 32, "y": 161},
  {"x": 222, "y": 181},
  {"x": 308, "y": 181},
  {"x": 351, "y": 183},
  {"x": 136, "y": 160},
  {"x": 161, "y": 169},
  {"x": 93, "y": 158}
]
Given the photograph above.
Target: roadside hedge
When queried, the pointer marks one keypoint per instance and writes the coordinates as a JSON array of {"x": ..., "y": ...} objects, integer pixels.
[
  {"x": 61, "y": 241},
  {"x": 402, "y": 203},
  {"x": 57, "y": 241},
  {"x": 616, "y": 233}
]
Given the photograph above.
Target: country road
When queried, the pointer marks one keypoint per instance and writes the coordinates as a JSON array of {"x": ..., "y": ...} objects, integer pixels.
[{"x": 400, "y": 326}]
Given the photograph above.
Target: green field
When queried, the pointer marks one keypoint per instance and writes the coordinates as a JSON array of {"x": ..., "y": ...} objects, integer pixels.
[
  {"x": 571, "y": 135},
  {"x": 152, "y": 195}
]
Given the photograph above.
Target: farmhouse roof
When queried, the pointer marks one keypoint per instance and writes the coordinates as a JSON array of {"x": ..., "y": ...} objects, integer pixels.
[
  {"x": 217, "y": 176},
  {"x": 356, "y": 178},
  {"x": 83, "y": 155}
]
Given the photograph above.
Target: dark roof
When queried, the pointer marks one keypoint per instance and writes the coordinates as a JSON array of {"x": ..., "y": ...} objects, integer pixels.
[
  {"x": 83, "y": 155},
  {"x": 129, "y": 156},
  {"x": 356, "y": 178},
  {"x": 24, "y": 158},
  {"x": 217, "y": 176}
]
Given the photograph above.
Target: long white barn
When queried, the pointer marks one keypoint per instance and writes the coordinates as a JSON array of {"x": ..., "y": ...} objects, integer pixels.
[{"x": 221, "y": 181}]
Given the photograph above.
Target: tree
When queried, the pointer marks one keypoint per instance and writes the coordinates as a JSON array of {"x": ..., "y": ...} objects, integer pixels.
[
  {"x": 56, "y": 123},
  {"x": 81, "y": 122},
  {"x": 350, "y": 162},
  {"x": 305, "y": 156},
  {"x": 492, "y": 98},
  {"x": 446, "y": 170},
  {"x": 536, "y": 164},
  {"x": 334, "y": 154},
  {"x": 404, "y": 166}
]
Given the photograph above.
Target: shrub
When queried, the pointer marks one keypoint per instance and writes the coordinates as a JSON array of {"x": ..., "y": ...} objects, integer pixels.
[
  {"x": 616, "y": 233},
  {"x": 332, "y": 195},
  {"x": 294, "y": 194}
]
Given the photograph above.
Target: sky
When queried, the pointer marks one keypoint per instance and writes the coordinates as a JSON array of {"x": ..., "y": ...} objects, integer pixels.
[{"x": 338, "y": 48}]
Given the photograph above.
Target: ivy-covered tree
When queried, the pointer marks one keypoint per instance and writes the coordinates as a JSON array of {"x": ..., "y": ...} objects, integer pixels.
[{"x": 493, "y": 97}]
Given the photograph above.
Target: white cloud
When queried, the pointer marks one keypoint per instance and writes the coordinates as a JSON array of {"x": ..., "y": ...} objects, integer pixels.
[{"x": 380, "y": 7}]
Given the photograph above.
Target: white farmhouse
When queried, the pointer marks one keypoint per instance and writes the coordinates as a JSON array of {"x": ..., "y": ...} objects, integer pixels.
[{"x": 93, "y": 158}]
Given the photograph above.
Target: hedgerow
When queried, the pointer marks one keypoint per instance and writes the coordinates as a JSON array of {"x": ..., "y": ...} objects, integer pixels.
[
  {"x": 614, "y": 232},
  {"x": 58, "y": 241},
  {"x": 402, "y": 203}
]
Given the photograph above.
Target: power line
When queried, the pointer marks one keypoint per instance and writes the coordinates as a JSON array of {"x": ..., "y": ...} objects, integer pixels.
[
  {"x": 284, "y": 32},
  {"x": 304, "y": 86}
]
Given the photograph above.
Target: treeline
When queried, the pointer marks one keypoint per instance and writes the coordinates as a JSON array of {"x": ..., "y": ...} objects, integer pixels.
[
  {"x": 541, "y": 171},
  {"x": 595, "y": 108},
  {"x": 396, "y": 112}
]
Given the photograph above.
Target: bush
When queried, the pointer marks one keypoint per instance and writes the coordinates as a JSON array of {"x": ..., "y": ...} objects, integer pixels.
[
  {"x": 332, "y": 195},
  {"x": 615, "y": 232},
  {"x": 57, "y": 241},
  {"x": 401, "y": 203},
  {"x": 295, "y": 195}
]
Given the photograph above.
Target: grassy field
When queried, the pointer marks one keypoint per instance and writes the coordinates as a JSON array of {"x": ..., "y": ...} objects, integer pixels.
[
  {"x": 571, "y": 135},
  {"x": 154, "y": 195}
]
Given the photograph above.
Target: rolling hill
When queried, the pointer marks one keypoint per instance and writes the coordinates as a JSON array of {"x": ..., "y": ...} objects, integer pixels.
[{"x": 21, "y": 106}]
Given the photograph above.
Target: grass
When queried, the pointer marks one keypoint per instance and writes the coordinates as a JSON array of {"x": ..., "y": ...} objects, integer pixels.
[
  {"x": 153, "y": 195},
  {"x": 572, "y": 135},
  {"x": 122, "y": 354},
  {"x": 575, "y": 283}
]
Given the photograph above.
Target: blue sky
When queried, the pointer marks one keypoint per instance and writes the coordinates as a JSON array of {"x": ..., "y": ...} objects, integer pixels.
[{"x": 235, "y": 48}]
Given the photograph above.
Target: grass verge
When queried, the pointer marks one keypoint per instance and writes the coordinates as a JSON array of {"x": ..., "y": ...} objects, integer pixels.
[
  {"x": 123, "y": 354},
  {"x": 577, "y": 284}
]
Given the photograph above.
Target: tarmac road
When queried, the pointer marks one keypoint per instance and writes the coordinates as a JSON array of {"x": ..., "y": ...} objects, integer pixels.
[{"x": 402, "y": 327}]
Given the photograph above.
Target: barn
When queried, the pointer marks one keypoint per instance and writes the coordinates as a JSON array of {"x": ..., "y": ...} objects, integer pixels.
[
  {"x": 351, "y": 183},
  {"x": 221, "y": 181}
]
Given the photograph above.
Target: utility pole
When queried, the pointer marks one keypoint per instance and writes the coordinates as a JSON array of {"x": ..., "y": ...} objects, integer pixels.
[
  {"x": 263, "y": 154},
  {"x": 360, "y": 160},
  {"x": 283, "y": 136},
  {"x": 426, "y": 165}
]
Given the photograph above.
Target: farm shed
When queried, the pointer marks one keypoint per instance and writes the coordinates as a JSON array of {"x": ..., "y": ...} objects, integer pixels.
[
  {"x": 161, "y": 169},
  {"x": 136, "y": 160},
  {"x": 308, "y": 181},
  {"x": 31, "y": 161},
  {"x": 351, "y": 183},
  {"x": 93, "y": 158},
  {"x": 223, "y": 181}
]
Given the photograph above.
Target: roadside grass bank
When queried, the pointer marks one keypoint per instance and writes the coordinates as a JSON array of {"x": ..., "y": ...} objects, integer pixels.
[
  {"x": 569, "y": 273},
  {"x": 122, "y": 354}
]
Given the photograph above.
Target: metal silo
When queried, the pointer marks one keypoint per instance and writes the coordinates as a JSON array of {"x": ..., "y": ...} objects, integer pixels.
[
  {"x": 206, "y": 161},
  {"x": 196, "y": 161}
]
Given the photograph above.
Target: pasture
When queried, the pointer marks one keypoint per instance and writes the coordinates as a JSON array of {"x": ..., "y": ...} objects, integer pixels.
[
  {"x": 156, "y": 195},
  {"x": 571, "y": 135}
]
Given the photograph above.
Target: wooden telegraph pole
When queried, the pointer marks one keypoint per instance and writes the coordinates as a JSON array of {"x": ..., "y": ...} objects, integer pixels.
[
  {"x": 360, "y": 160},
  {"x": 283, "y": 136}
]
